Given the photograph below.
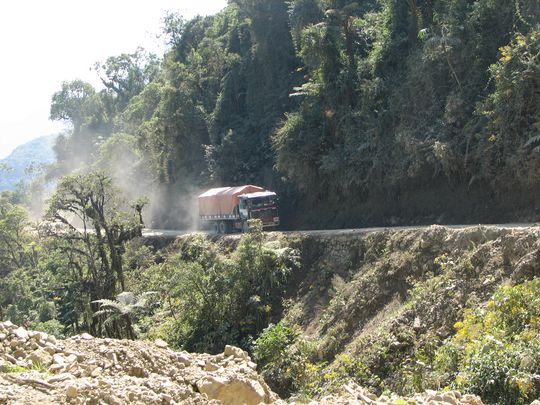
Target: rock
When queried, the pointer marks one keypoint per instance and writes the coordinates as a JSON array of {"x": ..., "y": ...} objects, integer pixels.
[
  {"x": 121, "y": 371},
  {"x": 114, "y": 400},
  {"x": 234, "y": 391},
  {"x": 86, "y": 336},
  {"x": 58, "y": 359},
  {"x": 211, "y": 386},
  {"x": 60, "y": 378},
  {"x": 161, "y": 343},
  {"x": 72, "y": 391},
  {"x": 50, "y": 349},
  {"x": 21, "y": 333},
  {"x": 3, "y": 336},
  {"x": 184, "y": 359},
  {"x": 9, "y": 325},
  {"x": 471, "y": 400},
  {"x": 209, "y": 366},
  {"x": 96, "y": 372},
  {"x": 137, "y": 372},
  {"x": 14, "y": 343},
  {"x": 55, "y": 368},
  {"x": 236, "y": 352},
  {"x": 166, "y": 398},
  {"x": 71, "y": 358},
  {"x": 450, "y": 399},
  {"x": 40, "y": 356}
]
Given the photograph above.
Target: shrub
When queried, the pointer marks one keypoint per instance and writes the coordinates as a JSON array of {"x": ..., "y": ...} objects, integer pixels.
[
  {"x": 496, "y": 350},
  {"x": 287, "y": 360}
]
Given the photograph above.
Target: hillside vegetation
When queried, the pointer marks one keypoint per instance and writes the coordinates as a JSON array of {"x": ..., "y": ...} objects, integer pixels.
[
  {"x": 372, "y": 112},
  {"x": 397, "y": 311}
]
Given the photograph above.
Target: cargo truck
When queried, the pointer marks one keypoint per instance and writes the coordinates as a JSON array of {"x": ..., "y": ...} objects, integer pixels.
[{"x": 228, "y": 209}]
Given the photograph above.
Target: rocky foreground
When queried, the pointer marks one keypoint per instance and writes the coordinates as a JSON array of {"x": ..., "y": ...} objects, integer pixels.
[{"x": 37, "y": 368}]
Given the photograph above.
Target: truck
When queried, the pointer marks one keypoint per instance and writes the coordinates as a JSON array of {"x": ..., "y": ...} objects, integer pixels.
[{"x": 228, "y": 209}]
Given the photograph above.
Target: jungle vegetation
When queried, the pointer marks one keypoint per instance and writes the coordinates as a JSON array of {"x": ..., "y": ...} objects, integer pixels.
[{"x": 356, "y": 112}]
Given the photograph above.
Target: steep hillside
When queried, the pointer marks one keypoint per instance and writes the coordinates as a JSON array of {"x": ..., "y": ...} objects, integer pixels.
[
  {"x": 394, "y": 310},
  {"x": 31, "y": 154}
]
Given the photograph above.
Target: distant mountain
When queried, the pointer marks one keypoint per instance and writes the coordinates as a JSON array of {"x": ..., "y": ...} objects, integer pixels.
[{"x": 34, "y": 153}]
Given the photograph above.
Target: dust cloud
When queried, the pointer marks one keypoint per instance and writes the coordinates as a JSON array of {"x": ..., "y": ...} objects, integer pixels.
[{"x": 169, "y": 206}]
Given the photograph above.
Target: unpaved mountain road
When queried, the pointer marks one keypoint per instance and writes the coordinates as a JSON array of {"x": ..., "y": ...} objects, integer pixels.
[{"x": 168, "y": 233}]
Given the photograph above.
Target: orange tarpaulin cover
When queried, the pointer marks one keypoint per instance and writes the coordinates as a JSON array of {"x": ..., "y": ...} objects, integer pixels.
[{"x": 222, "y": 200}]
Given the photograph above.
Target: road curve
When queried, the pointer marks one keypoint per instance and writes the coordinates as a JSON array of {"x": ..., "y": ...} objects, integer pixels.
[{"x": 169, "y": 233}]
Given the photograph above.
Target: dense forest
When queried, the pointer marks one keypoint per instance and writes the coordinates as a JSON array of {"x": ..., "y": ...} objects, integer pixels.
[{"x": 357, "y": 113}]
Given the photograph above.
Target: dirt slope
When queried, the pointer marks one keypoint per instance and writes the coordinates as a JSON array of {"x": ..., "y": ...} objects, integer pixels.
[{"x": 387, "y": 298}]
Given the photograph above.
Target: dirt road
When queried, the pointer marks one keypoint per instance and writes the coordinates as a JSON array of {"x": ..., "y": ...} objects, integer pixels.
[{"x": 168, "y": 233}]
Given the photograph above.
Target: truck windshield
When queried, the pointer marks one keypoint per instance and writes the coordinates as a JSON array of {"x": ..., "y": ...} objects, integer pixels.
[{"x": 262, "y": 201}]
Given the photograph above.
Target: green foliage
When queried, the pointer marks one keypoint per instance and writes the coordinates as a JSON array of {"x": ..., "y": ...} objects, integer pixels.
[
  {"x": 358, "y": 100},
  {"x": 512, "y": 111},
  {"x": 11, "y": 368},
  {"x": 126, "y": 75},
  {"x": 88, "y": 222},
  {"x": 14, "y": 248},
  {"x": 210, "y": 298},
  {"x": 52, "y": 327},
  {"x": 287, "y": 360},
  {"x": 120, "y": 315},
  {"x": 495, "y": 350}
]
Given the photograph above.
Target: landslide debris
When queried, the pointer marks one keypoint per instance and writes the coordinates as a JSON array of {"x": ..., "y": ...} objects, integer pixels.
[
  {"x": 352, "y": 393},
  {"x": 38, "y": 368},
  {"x": 35, "y": 367}
]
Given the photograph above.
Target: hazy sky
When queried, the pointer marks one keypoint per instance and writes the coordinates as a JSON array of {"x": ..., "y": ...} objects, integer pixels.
[{"x": 43, "y": 43}]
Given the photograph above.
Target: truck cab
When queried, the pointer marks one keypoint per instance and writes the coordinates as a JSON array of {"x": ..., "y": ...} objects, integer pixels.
[{"x": 259, "y": 205}]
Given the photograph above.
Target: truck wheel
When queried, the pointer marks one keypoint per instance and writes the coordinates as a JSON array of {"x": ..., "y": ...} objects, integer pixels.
[{"x": 222, "y": 227}]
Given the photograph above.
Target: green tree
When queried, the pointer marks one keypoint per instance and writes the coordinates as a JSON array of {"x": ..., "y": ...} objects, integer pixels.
[
  {"x": 126, "y": 75},
  {"x": 120, "y": 315},
  {"x": 88, "y": 223},
  {"x": 14, "y": 239}
]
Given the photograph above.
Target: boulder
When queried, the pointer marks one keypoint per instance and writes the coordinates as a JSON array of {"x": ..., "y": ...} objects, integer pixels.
[
  {"x": 21, "y": 333},
  {"x": 161, "y": 343},
  {"x": 40, "y": 356},
  {"x": 233, "y": 391},
  {"x": 86, "y": 336},
  {"x": 58, "y": 359}
]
